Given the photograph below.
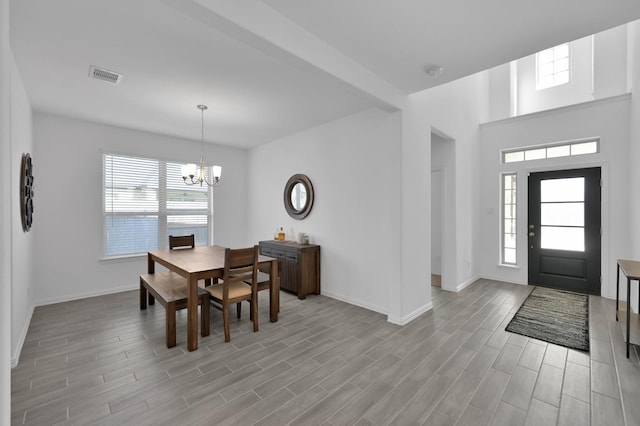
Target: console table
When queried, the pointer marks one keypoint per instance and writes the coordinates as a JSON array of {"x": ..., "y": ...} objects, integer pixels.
[
  {"x": 631, "y": 269},
  {"x": 298, "y": 265}
]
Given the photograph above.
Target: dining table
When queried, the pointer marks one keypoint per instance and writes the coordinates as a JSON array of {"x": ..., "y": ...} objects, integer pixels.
[{"x": 203, "y": 263}]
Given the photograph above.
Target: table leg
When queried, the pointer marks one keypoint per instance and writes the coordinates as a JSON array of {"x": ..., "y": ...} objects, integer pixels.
[
  {"x": 151, "y": 268},
  {"x": 617, "y": 289},
  {"x": 274, "y": 292},
  {"x": 628, "y": 314},
  {"x": 143, "y": 296},
  {"x": 192, "y": 313}
]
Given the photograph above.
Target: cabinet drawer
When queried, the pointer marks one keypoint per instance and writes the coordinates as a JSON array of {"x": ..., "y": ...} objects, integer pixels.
[
  {"x": 292, "y": 256},
  {"x": 265, "y": 250},
  {"x": 277, "y": 252}
]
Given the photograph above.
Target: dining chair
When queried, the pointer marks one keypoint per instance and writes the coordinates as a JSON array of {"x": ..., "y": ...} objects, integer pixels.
[
  {"x": 263, "y": 282},
  {"x": 238, "y": 263},
  {"x": 185, "y": 242}
]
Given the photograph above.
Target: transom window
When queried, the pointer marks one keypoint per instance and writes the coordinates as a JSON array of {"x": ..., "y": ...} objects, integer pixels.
[
  {"x": 541, "y": 152},
  {"x": 552, "y": 67},
  {"x": 146, "y": 200}
]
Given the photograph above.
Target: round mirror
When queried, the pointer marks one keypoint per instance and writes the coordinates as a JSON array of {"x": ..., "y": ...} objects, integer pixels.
[{"x": 298, "y": 196}]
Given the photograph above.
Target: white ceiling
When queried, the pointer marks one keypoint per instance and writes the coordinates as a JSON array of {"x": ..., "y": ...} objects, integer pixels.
[{"x": 271, "y": 68}]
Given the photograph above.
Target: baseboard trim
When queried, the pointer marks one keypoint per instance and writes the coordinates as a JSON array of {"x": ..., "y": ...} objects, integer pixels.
[
  {"x": 23, "y": 335},
  {"x": 413, "y": 315},
  {"x": 500, "y": 279},
  {"x": 466, "y": 284},
  {"x": 354, "y": 302},
  {"x": 61, "y": 299}
]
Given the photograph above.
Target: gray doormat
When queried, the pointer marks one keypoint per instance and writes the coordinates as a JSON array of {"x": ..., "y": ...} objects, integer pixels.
[{"x": 554, "y": 316}]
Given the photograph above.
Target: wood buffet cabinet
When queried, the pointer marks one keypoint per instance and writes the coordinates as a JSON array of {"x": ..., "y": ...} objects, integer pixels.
[{"x": 298, "y": 265}]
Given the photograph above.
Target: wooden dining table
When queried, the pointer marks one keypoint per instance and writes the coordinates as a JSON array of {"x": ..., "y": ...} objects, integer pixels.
[{"x": 206, "y": 262}]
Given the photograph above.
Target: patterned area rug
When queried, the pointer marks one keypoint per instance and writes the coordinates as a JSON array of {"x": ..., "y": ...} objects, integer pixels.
[{"x": 554, "y": 316}]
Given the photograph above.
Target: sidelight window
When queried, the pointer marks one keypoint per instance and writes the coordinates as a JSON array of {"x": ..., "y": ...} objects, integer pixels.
[{"x": 509, "y": 218}]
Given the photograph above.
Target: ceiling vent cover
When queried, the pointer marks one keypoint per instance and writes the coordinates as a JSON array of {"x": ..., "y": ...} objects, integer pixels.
[{"x": 105, "y": 75}]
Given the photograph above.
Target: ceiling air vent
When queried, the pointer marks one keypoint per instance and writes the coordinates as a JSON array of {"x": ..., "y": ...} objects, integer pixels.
[{"x": 105, "y": 75}]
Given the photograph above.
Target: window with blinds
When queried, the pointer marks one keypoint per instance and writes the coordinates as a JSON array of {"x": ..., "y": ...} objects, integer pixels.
[{"x": 146, "y": 200}]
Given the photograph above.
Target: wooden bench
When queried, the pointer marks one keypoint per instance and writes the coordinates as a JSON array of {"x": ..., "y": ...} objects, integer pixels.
[{"x": 171, "y": 291}]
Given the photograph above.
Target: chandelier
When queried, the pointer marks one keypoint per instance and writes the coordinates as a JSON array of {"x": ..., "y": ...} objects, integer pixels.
[{"x": 198, "y": 174}]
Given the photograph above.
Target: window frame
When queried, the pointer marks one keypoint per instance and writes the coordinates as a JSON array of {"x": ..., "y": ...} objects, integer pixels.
[
  {"x": 163, "y": 212},
  {"x": 554, "y": 63},
  {"x": 503, "y": 217},
  {"x": 521, "y": 152}
]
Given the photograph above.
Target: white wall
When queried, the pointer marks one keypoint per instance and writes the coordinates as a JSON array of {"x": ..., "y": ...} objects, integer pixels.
[
  {"x": 353, "y": 164},
  {"x": 5, "y": 216},
  {"x": 68, "y": 223},
  {"x": 443, "y": 230},
  {"x": 607, "y": 119},
  {"x": 500, "y": 91},
  {"x": 436, "y": 219},
  {"x": 22, "y": 243}
]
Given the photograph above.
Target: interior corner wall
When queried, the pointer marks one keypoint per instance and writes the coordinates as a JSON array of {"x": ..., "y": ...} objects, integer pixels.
[
  {"x": 607, "y": 119},
  {"x": 354, "y": 166},
  {"x": 634, "y": 146},
  {"x": 578, "y": 89},
  {"x": 68, "y": 220},
  {"x": 610, "y": 62},
  {"x": 22, "y": 243},
  {"x": 455, "y": 109},
  {"x": 414, "y": 294}
]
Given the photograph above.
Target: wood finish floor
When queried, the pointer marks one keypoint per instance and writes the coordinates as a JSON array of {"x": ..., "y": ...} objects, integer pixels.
[{"x": 103, "y": 361}]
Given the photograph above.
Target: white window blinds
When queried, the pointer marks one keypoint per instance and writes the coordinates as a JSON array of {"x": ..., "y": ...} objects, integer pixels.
[{"x": 145, "y": 201}]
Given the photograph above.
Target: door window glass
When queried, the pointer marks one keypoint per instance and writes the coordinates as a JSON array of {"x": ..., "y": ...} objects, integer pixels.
[
  {"x": 562, "y": 238},
  {"x": 562, "y": 214}
]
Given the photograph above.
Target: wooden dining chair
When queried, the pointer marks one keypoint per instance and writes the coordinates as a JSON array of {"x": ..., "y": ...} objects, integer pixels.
[
  {"x": 238, "y": 263},
  {"x": 263, "y": 283},
  {"x": 180, "y": 242}
]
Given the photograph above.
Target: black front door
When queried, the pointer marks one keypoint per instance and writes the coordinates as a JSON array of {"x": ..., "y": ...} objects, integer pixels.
[{"x": 564, "y": 229}]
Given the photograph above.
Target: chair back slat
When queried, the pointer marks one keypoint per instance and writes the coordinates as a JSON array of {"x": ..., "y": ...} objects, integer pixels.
[{"x": 182, "y": 241}]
